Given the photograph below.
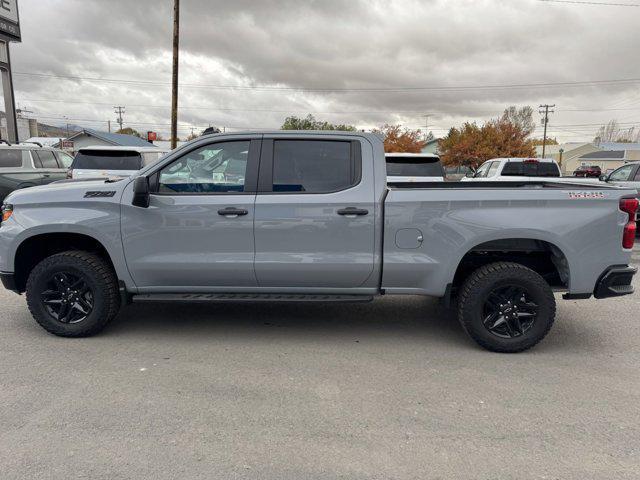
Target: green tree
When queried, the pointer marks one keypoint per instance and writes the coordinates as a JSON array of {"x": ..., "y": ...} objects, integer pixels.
[{"x": 310, "y": 123}]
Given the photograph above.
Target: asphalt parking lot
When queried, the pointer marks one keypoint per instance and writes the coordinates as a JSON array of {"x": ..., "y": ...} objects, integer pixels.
[{"x": 392, "y": 389}]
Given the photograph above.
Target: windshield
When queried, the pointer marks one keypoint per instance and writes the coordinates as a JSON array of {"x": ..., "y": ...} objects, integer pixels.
[
  {"x": 414, "y": 167},
  {"x": 107, "y": 160}
]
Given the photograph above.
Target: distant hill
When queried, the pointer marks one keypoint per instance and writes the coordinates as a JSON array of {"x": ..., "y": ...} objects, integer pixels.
[{"x": 45, "y": 130}]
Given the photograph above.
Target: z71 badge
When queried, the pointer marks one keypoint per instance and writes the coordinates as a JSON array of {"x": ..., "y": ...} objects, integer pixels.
[
  {"x": 100, "y": 194},
  {"x": 586, "y": 195}
]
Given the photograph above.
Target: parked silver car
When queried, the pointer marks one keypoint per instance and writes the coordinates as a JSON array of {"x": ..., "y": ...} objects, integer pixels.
[{"x": 29, "y": 165}]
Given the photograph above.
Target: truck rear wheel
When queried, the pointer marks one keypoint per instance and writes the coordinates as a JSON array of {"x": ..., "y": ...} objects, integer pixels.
[
  {"x": 506, "y": 307},
  {"x": 73, "y": 294}
]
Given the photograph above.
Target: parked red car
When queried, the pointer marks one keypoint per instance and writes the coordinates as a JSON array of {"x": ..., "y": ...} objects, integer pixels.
[{"x": 588, "y": 171}]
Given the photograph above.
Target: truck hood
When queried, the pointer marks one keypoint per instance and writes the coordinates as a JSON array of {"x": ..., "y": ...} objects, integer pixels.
[{"x": 69, "y": 191}]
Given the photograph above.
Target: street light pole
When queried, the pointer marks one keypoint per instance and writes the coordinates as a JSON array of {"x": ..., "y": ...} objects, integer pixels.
[{"x": 174, "y": 80}]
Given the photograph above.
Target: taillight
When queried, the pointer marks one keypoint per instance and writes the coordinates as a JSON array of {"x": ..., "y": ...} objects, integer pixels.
[
  {"x": 530, "y": 160},
  {"x": 630, "y": 207}
]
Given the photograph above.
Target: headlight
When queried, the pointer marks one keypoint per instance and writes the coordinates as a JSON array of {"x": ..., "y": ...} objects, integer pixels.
[{"x": 7, "y": 211}]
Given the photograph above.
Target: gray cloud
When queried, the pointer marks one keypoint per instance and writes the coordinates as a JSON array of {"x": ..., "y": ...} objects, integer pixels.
[{"x": 328, "y": 44}]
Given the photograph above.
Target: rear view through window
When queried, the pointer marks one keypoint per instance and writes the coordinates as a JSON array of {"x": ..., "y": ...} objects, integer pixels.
[
  {"x": 530, "y": 169},
  {"x": 414, "y": 167},
  {"x": 107, "y": 160}
]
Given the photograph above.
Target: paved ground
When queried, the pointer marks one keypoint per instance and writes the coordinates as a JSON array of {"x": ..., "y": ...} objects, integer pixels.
[{"x": 392, "y": 389}]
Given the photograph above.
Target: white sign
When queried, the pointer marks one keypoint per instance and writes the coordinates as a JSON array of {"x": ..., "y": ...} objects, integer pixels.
[{"x": 9, "y": 10}]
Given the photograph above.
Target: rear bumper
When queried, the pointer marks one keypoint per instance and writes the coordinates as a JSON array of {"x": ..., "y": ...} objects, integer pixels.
[
  {"x": 615, "y": 282},
  {"x": 9, "y": 281}
]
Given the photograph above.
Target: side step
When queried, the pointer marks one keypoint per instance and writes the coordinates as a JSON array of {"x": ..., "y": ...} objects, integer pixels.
[{"x": 247, "y": 297}]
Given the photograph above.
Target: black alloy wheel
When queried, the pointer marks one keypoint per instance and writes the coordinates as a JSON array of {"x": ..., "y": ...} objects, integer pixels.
[
  {"x": 67, "y": 297},
  {"x": 509, "y": 311}
]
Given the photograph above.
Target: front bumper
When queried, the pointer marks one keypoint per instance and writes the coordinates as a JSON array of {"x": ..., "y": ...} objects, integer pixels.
[
  {"x": 615, "y": 282},
  {"x": 9, "y": 281}
]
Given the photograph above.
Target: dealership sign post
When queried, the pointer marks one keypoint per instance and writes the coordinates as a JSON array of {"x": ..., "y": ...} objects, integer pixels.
[{"x": 9, "y": 32}]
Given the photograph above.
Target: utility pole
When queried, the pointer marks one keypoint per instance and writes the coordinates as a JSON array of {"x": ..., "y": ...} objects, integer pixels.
[
  {"x": 120, "y": 111},
  {"x": 544, "y": 110},
  {"x": 174, "y": 80},
  {"x": 426, "y": 127},
  {"x": 109, "y": 125}
]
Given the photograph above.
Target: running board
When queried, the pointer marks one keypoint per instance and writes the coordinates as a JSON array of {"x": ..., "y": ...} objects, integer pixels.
[{"x": 247, "y": 297}]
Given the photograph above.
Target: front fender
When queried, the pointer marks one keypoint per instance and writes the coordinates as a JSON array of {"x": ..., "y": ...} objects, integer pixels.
[{"x": 100, "y": 221}]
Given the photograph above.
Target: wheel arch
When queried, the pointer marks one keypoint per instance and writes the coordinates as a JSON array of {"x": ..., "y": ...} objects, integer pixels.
[
  {"x": 35, "y": 248},
  {"x": 543, "y": 256}
]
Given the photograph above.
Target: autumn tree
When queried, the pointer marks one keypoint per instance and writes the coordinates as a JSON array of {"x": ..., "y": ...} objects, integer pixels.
[
  {"x": 310, "y": 123},
  {"x": 507, "y": 136},
  {"x": 398, "y": 139},
  {"x": 540, "y": 141}
]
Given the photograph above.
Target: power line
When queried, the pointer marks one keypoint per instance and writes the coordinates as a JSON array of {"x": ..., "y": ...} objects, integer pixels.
[
  {"x": 328, "y": 112},
  {"x": 447, "y": 88},
  {"x": 606, "y": 4}
]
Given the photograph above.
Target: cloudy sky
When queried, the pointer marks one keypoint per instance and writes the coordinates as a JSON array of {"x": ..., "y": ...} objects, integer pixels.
[{"x": 249, "y": 64}]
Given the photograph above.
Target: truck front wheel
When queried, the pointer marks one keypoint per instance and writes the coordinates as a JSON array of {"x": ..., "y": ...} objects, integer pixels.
[
  {"x": 506, "y": 307},
  {"x": 73, "y": 294}
]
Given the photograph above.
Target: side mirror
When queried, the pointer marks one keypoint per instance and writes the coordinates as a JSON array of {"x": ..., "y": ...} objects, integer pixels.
[
  {"x": 604, "y": 178},
  {"x": 470, "y": 174},
  {"x": 141, "y": 192}
]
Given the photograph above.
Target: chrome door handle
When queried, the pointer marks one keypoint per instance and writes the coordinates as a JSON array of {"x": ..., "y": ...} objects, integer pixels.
[
  {"x": 232, "y": 212},
  {"x": 352, "y": 211}
]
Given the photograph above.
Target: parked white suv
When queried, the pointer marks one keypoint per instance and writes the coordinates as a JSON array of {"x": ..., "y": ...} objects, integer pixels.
[
  {"x": 96, "y": 162},
  {"x": 414, "y": 167},
  {"x": 515, "y": 169}
]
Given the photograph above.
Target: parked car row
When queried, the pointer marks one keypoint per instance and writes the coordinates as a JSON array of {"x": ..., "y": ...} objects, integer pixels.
[{"x": 30, "y": 164}]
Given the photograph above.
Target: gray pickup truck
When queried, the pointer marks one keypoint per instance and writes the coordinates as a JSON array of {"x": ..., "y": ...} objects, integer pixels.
[{"x": 309, "y": 216}]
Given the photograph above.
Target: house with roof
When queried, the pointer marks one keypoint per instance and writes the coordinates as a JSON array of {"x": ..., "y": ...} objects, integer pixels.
[
  {"x": 607, "y": 160},
  {"x": 431, "y": 146},
  {"x": 566, "y": 153},
  {"x": 88, "y": 137},
  {"x": 619, "y": 146}
]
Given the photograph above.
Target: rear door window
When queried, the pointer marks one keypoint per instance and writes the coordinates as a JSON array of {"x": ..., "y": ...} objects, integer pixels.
[
  {"x": 313, "y": 166},
  {"x": 46, "y": 159},
  {"x": 107, "y": 160},
  {"x": 414, "y": 167},
  {"x": 493, "y": 169},
  {"x": 10, "y": 158},
  {"x": 64, "y": 159}
]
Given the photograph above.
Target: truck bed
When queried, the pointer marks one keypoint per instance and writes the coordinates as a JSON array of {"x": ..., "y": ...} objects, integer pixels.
[{"x": 429, "y": 228}]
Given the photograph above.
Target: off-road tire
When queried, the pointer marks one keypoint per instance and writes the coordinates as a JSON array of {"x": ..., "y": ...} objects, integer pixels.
[
  {"x": 477, "y": 288},
  {"x": 96, "y": 272}
]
